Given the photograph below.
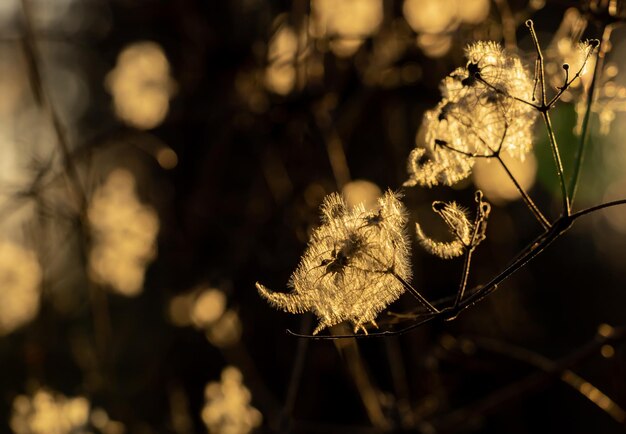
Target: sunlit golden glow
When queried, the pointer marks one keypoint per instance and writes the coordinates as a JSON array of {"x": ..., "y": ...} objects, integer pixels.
[
  {"x": 280, "y": 74},
  {"x": 606, "y": 330},
  {"x": 226, "y": 331},
  {"x": 430, "y": 16},
  {"x": 20, "y": 277},
  {"x": 435, "y": 20},
  {"x": 594, "y": 395},
  {"x": 167, "y": 158},
  {"x": 361, "y": 191},
  {"x": 347, "y": 23},
  {"x": 473, "y": 11},
  {"x": 124, "y": 234},
  {"x": 227, "y": 408},
  {"x": 141, "y": 85},
  {"x": 434, "y": 45},
  {"x": 179, "y": 309},
  {"x": 47, "y": 412},
  {"x": 492, "y": 179},
  {"x": 209, "y": 306},
  {"x": 607, "y": 351}
]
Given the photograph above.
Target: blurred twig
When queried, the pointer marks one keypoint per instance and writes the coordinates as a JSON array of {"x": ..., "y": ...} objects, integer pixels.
[{"x": 533, "y": 382}]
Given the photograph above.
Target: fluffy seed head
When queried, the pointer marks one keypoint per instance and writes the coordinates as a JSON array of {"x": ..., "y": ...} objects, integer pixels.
[
  {"x": 349, "y": 269},
  {"x": 477, "y": 117}
]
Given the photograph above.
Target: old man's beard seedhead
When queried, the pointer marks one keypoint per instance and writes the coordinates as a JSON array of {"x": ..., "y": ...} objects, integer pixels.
[
  {"x": 479, "y": 116},
  {"x": 354, "y": 265}
]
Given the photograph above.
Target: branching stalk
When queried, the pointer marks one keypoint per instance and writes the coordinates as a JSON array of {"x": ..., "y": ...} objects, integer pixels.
[
  {"x": 527, "y": 199},
  {"x": 584, "y": 133},
  {"x": 415, "y": 293}
]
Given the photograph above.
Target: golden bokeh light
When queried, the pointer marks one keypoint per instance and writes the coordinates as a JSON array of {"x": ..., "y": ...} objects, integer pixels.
[
  {"x": 167, "y": 158},
  {"x": 435, "y": 20},
  {"x": 473, "y": 11},
  {"x": 179, "y": 309},
  {"x": 47, "y": 412},
  {"x": 209, "y": 307},
  {"x": 280, "y": 74},
  {"x": 346, "y": 23},
  {"x": 141, "y": 85},
  {"x": 20, "y": 279},
  {"x": 361, "y": 191},
  {"x": 434, "y": 45},
  {"x": 226, "y": 331},
  {"x": 491, "y": 178},
  {"x": 227, "y": 408},
  {"x": 124, "y": 234},
  {"x": 430, "y": 16}
]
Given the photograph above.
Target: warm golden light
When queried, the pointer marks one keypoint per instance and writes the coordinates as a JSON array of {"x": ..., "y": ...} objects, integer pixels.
[
  {"x": 430, "y": 16},
  {"x": 435, "y": 20},
  {"x": 141, "y": 85},
  {"x": 167, "y": 158},
  {"x": 20, "y": 278},
  {"x": 347, "y": 22},
  {"x": 226, "y": 331},
  {"x": 280, "y": 74},
  {"x": 492, "y": 179},
  {"x": 209, "y": 306},
  {"x": 47, "y": 412},
  {"x": 227, "y": 408},
  {"x": 124, "y": 234},
  {"x": 361, "y": 191}
]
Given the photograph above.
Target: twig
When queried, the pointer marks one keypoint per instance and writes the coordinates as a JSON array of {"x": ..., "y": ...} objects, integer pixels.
[
  {"x": 449, "y": 422},
  {"x": 527, "y": 199},
  {"x": 584, "y": 133},
  {"x": 569, "y": 377},
  {"x": 558, "y": 228},
  {"x": 415, "y": 293},
  {"x": 296, "y": 376},
  {"x": 543, "y": 109}
]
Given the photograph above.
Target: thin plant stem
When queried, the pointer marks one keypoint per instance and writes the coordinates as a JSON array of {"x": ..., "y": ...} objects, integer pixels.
[
  {"x": 452, "y": 421},
  {"x": 415, "y": 293},
  {"x": 102, "y": 324},
  {"x": 43, "y": 98},
  {"x": 505, "y": 93},
  {"x": 538, "y": 245},
  {"x": 296, "y": 375},
  {"x": 584, "y": 132},
  {"x": 556, "y": 155},
  {"x": 368, "y": 392},
  {"x": 544, "y": 107},
  {"x": 540, "y": 62},
  {"x": 527, "y": 199},
  {"x": 598, "y": 207},
  {"x": 464, "y": 276},
  {"x": 569, "y": 377},
  {"x": 543, "y": 221}
]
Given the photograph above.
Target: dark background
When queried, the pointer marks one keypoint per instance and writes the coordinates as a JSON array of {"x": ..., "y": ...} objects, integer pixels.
[{"x": 253, "y": 167}]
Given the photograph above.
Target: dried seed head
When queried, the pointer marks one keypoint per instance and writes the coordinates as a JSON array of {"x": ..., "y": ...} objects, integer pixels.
[
  {"x": 459, "y": 225},
  {"x": 477, "y": 117},
  {"x": 350, "y": 267},
  {"x": 466, "y": 235}
]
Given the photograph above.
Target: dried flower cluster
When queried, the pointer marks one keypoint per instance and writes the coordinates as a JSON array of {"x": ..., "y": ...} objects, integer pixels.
[
  {"x": 353, "y": 266},
  {"x": 466, "y": 234},
  {"x": 477, "y": 117}
]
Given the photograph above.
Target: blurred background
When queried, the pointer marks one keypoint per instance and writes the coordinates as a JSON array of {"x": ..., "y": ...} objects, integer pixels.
[{"x": 160, "y": 157}]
